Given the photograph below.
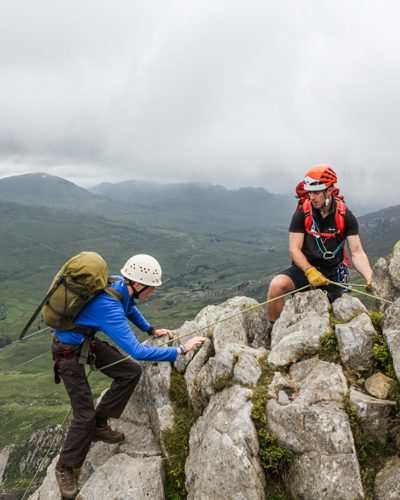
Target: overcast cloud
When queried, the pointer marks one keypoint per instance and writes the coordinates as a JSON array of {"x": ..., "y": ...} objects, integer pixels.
[{"x": 239, "y": 93}]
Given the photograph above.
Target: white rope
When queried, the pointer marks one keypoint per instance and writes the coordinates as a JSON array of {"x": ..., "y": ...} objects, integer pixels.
[{"x": 25, "y": 338}]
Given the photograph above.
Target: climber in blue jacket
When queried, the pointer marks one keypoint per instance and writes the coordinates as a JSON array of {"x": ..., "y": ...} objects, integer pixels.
[{"x": 141, "y": 274}]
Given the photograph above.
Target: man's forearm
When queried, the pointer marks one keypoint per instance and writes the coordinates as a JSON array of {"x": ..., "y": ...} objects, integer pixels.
[
  {"x": 300, "y": 259},
  {"x": 361, "y": 263}
]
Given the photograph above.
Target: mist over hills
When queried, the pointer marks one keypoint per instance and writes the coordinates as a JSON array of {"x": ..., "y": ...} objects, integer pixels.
[{"x": 190, "y": 207}]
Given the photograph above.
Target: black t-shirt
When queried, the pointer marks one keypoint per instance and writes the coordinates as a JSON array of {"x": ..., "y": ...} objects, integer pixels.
[{"x": 325, "y": 225}]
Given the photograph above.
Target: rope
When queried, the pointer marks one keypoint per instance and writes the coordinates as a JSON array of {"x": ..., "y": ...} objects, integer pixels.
[
  {"x": 225, "y": 318},
  {"x": 33, "y": 359},
  {"x": 25, "y": 338},
  {"x": 346, "y": 287},
  {"x": 47, "y": 453}
]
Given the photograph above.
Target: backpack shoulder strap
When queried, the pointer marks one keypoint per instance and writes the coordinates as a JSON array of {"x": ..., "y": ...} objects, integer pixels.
[
  {"x": 40, "y": 306},
  {"x": 307, "y": 210},
  {"x": 339, "y": 216},
  {"x": 114, "y": 293}
]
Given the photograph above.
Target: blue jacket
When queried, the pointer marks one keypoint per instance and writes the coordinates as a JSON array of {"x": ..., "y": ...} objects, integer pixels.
[{"x": 109, "y": 315}]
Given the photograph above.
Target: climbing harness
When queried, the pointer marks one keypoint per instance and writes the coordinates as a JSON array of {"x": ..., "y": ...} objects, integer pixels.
[{"x": 320, "y": 238}]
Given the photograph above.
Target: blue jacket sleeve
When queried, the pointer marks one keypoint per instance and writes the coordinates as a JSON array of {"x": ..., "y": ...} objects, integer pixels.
[
  {"x": 108, "y": 315},
  {"x": 138, "y": 319}
]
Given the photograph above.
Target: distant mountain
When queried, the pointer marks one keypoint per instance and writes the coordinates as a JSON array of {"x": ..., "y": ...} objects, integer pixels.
[
  {"x": 380, "y": 231},
  {"x": 204, "y": 207},
  {"x": 199, "y": 195},
  {"x": 52, "y": 191},
  {"x": 198, "y": 208}
]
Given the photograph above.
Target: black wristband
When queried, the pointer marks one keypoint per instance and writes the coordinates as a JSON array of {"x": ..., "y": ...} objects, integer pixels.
[{"x": 151, "y": 330}]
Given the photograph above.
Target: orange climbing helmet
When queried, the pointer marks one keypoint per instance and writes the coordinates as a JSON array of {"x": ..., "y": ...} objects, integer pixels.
[{"x": 319, "y": 178}]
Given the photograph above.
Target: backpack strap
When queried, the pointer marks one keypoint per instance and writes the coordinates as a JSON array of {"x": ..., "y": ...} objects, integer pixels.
[
  {"x": 339, "y": 216},
  {"x": 339, "y": 219},
  {"x": 40, "y": 306},
  {"x": 306, "y": 205},
  {"x": 114, "y": 293}
]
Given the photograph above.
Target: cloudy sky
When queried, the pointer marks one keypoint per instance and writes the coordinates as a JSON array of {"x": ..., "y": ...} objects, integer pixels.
[{"x": 239, "y": 93}]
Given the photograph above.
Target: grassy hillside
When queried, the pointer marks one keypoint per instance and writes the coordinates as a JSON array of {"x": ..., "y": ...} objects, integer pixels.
[
  {"x": 380, "y": 231},
  {"x": 35, "y": 241}
]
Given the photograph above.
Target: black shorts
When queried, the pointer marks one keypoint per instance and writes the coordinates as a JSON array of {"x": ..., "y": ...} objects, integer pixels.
[{"x": 300, "y": 279}]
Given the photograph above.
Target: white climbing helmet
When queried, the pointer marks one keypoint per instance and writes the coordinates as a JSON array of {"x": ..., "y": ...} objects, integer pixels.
[{"x": 144, "y": 269}]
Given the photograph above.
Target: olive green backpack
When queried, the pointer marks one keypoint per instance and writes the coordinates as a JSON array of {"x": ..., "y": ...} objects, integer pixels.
[{"x": 73, "y": 287}]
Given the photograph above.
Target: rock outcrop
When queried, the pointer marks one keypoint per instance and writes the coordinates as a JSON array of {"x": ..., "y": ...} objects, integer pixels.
[
  {"x": 313, "y": 410},
  {"x": 386, "y": 275}
]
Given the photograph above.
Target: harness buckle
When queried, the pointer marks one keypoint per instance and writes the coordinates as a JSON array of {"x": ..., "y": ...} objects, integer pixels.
[{"x": 328, "y": 255}]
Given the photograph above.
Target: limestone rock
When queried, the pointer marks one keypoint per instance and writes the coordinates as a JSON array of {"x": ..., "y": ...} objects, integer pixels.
[
  {"x": 391, "y": 332},
  {"x": 387, "y": 481},
  {"x": 347, "y": 307},
  {"x": 391, "y": 319},
  {"x": 304, "y": 319},
  {"x": 234, "y": 363},
  {"x": 318, "y": 476},
  {"x": 386, "y": 275},
  {"x": 247, "y": 369},
  {"x": 49, "y": 489},
  {"x": 136, "y": 411},
  {"x": 356, "y": 342},
  {"x": 394, "y": 266},
  {"x": 194, "y": 380},
  {"x": 223, "y": 460},
  {"x": 315, "y": 427},
  {"x": 154, "y": 390},
  {"x": 380, "y": 386},
  {"x": 381, "y": 282},
  {"x": 38, "y": 446},
  {"x": 6, "y": 455},
  {"x": 125, "y": 477},
  {"x": 243, "y": 328},
  {"x": 191, "y": 329},
  {"x": 393, "y": 341},
  {"x": 375, "y": 413},
  {"x": 139, "y": 442}
]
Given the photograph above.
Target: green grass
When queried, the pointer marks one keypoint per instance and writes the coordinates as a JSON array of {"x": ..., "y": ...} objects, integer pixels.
[
  {"x": 35, "y": 243},
  {"x": 371, "y": 451},
  {"x": 176, "y": 441},
  {"x": 29, "y": 398},
  {"x": 274, "y": 459}
]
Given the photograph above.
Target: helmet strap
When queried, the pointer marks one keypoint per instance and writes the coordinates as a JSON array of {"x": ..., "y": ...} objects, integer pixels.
[{"x": 136, "y": 294}]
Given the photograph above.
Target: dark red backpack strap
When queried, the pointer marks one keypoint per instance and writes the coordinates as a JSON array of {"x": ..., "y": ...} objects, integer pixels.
[
  {"x": 306, "y": 206},
  {"x": 340, "y": 225},
  {"x": 339, "y": 217}
]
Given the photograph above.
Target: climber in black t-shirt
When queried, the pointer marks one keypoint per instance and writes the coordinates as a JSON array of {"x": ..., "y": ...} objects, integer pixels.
[{"x": 320, "y": 227}]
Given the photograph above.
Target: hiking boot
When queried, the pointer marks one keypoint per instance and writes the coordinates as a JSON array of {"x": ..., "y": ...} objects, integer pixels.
[
  {"x": 66, "y": 482},
  {"x": 107, "y": 435}
]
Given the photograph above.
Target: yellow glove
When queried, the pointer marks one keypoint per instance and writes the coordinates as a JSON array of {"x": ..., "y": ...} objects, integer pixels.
[
  {"x": 315, "y": 277},
  {"x": 368, "y": 287}
]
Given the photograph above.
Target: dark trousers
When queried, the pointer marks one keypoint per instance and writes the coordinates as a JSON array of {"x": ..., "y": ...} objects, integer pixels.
[{"x": 125, "y": 376}]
